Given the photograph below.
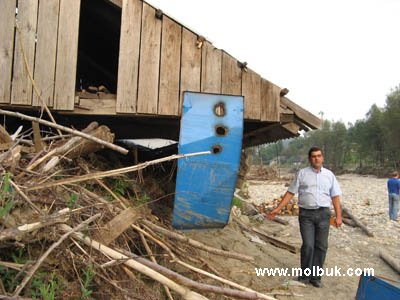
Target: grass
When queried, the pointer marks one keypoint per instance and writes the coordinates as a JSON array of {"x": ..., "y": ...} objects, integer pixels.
[{"x": 237, "y": 202}]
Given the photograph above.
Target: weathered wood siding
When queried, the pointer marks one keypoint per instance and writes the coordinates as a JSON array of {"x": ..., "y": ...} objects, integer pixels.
[{"x": 159, "y": 60}]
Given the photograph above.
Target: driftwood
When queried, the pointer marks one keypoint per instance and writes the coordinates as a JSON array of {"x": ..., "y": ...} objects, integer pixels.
[
  {"x": 390, "y": 260},
  {"x": 66, "y": 129},
  {"x": 18, "y": 232},
  {"x": 4, "y": 136},
  {"x": 281, "y": 220},
  {"x": 181, "y": 290},
  {"x": 357, "y": 222},
  {"x": 114, "y": 172},
  {"x": 32, "y": 271},
  {"x": 150, "y": 253},
  {"x": 25, "y": 197},
  {"x": 197, "y": 244},
  {"x": 197, "y": 270},
  {"x": 78, "y": 146},
  {"x": 264, "y": 236},
  {"x": 349, "y": 222},
  {"x": 196, "y": 285}
]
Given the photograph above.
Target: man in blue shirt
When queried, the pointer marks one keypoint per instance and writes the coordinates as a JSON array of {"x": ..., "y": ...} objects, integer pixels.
[
  {"x": 393, "y": 185},
  {"x": 317, "y": 188}
]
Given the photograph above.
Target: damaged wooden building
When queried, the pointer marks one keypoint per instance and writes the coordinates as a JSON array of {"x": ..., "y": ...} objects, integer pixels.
[{"x": 128, "y": 64}]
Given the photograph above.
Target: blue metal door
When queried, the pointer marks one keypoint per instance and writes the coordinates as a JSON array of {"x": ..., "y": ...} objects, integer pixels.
[{"x": 205, "y": 184}]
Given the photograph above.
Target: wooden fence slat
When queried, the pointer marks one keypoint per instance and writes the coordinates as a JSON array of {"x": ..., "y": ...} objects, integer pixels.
[
  {"x": 190, "y": 65},
  {"x": 7, "y": 23},
  {"x": 67, "y": 55},
  {"x": 231, "y": 76},
  {"x": 128, "y": 64},
  {"x": 149, "y": 65},
  {"x": 168, "y": 102},
  {"x": 21, "y": 92},
  {"x": 46, "y": 48},
  {"x": 270, "y": 101},
  {"x": 251, "y": 91},
  {"x": 211, "y": 65}
]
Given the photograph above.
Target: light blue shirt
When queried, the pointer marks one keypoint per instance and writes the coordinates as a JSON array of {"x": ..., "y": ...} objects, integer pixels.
[{"x": 315, "y": 189}]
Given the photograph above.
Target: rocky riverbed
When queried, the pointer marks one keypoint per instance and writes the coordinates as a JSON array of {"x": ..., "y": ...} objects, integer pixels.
[{"x": 366, "y": 197}]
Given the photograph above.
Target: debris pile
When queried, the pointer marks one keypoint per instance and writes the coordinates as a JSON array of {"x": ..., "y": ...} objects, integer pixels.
[
  {"x": 291, "y": 209},
  {"x": 72, "y": 228}
]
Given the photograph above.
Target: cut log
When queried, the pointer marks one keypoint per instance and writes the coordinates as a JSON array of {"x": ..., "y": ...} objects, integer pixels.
[
  {"x": 349, "y": 222},
  {"x": 357, "y": 221},
  {"x": 390, "y": 260},
  {"x": 264, "y": 236}
]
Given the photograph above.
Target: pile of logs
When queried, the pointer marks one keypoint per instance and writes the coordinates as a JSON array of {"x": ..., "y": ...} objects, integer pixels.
[
  {"x": 291, "y": 209},
  {"x": 60, "y": 216}
]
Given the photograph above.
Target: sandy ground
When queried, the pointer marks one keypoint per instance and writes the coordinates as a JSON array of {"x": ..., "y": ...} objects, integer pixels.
[{"x": 349, "y": 247}]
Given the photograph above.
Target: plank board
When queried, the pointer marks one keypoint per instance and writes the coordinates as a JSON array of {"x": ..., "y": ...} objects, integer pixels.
[
  {"x": 21, "y": 92},
  {"x": 231, "y": 76},
  {"x": 7, "y": 21},
  {"x": 149, "y": 66},
  {"x": 128, "y": 64},
  {"x": 168, "y": 102},
  {"x": 46, "y": 48},
  {"x": 211, "y": 66},
  {"x": 190, "y": 65},
  {"x": 67, "y": 54},
  {"x": 251, "y": 91},
  {"x": 270, "y": 101}
]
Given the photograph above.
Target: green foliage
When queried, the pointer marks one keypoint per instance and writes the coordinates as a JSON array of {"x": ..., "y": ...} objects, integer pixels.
[
  {"x": 88, "y": 275},
  {"x": 46, "y": 288},
  {"x": 237, "y": 202},
  {"x": 6, "y": 195},
  {"x": 373, "y": 141},
  {"x": 72, "y": 201},
  {"x": 119, "y": 186}
]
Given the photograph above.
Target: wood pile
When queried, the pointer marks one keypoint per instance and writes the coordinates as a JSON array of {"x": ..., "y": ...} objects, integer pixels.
[
  {"x": 291, "y": 209},
  {"x": 74, "y": 228}
]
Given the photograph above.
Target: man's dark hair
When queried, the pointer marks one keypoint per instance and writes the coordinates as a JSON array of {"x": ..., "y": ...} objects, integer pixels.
[{"x": 314, "y": 149}]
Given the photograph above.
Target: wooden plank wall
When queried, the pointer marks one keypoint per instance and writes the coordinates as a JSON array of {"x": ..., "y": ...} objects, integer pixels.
[
  {"x": 159, "y": 60},
  {"x": 7, "y": 21},
  {"x": 46, "y": 48}
]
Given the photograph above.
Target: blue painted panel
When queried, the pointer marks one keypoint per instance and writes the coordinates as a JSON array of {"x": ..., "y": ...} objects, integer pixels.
[
  {"x": 373, "y": 288},
  {"x": 205, "y": 184}
]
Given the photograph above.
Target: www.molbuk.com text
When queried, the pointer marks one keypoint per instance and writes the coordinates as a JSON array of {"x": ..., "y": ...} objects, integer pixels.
[{"x": 314, "y": 271}]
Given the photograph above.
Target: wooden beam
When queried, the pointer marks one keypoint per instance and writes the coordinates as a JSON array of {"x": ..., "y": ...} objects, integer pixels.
[
  {"x": 190, "y": 65},
  {"x": 168, "y": 102},
  {"x": 304, "y": 115},
  {"x": 231, "y": 75},
  {"x": 211, "y": 68},
  {"x": 128, "y": 63},
  {"x": 251, "y": 90},
  {"x": 7, "y": 26},
  {"x": 149, "y": 64},
  {"x": 292, "y": 128},
  {"x": 24, "y": 52},
  {"x": 46, "y": 48},
  {"x": 67, "y": 55},
  {"x": 270, "y": 101}
]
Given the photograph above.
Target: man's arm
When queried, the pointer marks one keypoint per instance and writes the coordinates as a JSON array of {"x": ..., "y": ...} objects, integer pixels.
[
  {"x": 338, "y": 210},
  {"x": 286, "y": 198}
]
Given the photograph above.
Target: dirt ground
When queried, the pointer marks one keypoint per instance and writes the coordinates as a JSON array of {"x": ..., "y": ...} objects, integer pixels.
[{"x": 349, "y": 247}]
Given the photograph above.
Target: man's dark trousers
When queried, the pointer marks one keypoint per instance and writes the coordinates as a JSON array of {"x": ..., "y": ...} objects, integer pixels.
[{"x": 314, "y": 229}]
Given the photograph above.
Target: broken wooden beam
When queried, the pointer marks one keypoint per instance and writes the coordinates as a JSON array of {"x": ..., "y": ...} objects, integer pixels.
[
  {"x": 390, "y": 260},
  {"x": 357, "y": 222}
]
